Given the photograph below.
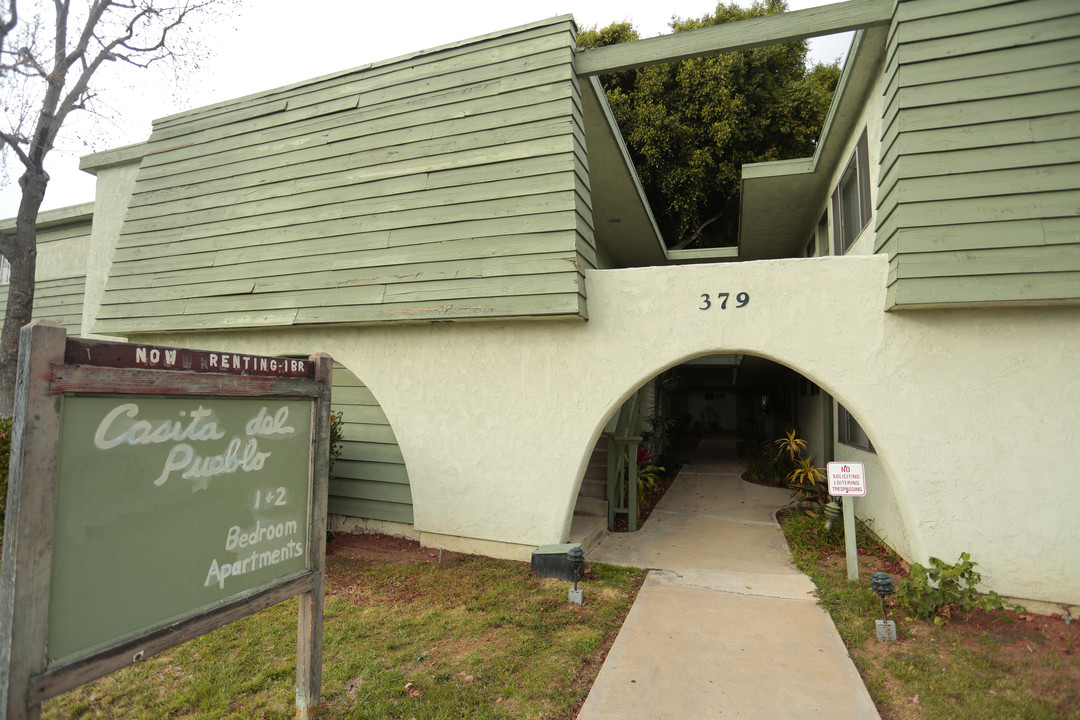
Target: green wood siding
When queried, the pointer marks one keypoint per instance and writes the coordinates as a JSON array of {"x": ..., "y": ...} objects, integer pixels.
[
  {"x": 60, "y": 284},
  {"x": 978, "y": 196},
  {"x": 370, "y": 480},
  {"x": 450, "y": 184},
  {"x": 59, "y": 299}
]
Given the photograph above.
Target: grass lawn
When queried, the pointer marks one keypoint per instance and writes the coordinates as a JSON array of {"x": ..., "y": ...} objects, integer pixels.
[
  {"x": 405, "y": 637},
  {"x": 977, "y": 665}
]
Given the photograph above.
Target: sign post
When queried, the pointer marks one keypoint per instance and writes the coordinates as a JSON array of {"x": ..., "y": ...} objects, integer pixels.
[
  {"x": 156, "y": 494},
  {"x": 848, "y": 480}
]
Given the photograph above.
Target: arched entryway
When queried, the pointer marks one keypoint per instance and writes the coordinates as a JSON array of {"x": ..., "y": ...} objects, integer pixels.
[{"x": 740, "y": 405}]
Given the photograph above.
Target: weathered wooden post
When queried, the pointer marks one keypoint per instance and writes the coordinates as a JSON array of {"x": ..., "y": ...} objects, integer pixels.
[
  {"x": 309, "y": 636},
  {"x": 29, "y": 518}
]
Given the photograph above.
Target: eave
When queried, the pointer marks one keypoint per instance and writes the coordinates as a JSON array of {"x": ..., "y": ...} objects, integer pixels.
[
  {"x": 626, "y": 231},
  {"x": 781, "y": 201}
]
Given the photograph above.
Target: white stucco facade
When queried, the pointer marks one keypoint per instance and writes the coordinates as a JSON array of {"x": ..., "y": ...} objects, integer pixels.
[{"x": 974, "y": 413}]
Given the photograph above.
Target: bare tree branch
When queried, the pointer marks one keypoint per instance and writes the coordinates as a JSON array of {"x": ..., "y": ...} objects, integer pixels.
[
  {"x": 689, "y": 239},
  {"x": 160, "y": 44},
  {"x": 42, "y": 83},
  {"x": 16, "y": 142}
]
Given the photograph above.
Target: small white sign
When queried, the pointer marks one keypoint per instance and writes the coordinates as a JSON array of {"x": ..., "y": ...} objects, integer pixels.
[{"x": 846, "y": 478}]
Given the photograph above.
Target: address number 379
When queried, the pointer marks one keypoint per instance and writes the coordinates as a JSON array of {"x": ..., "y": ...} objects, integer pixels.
[{"x": 720, "y": 300}]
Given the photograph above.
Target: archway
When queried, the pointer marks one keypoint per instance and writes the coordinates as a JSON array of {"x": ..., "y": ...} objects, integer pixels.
[{"x": 744, "y": 401}]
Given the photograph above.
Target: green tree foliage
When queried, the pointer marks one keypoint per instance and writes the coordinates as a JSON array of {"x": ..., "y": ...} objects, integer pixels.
[{"x": 691, "y": 125}]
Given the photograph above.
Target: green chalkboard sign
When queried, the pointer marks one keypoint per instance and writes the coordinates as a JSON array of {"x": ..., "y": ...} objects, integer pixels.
[
  {"x": 156, "y": 494},
  {"x": 167, "y": 506}
]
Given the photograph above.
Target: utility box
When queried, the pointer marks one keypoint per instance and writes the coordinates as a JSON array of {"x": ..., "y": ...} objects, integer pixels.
[{"x": 552, "y": 561}]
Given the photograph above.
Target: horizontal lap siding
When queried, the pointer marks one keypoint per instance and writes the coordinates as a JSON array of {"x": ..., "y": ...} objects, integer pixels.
[
  {"x": 60, "y": 282},
  {"x": 979, "y": 196},
  {"x": 369, "y": 478},
  {"x": 446, "y": 185},
  {"x": 59, "y": 299}
]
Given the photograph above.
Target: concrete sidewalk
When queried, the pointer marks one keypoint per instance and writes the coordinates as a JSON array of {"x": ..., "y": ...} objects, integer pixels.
[{"x": 724, "y": 625}]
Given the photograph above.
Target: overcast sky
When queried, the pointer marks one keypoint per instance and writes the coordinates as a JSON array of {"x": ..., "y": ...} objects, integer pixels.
[{"x": 267, "y": 44}]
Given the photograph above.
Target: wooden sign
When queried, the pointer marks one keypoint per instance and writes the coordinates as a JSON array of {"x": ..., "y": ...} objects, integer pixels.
[
  {"x": 153, "y": 357},
  {"x": 156, "y": 494}
]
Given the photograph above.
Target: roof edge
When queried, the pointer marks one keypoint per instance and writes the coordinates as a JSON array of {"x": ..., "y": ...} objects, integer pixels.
[
  {"x": 59, "y": 216},
  {"x": 124, "y": 155},
  {"x": 225, "y": 104}
]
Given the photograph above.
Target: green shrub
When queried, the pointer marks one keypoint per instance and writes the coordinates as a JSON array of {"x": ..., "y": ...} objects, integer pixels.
[
  {"x": 764, "y": 463},
  {"x": 337, "y": 437},
  {"x": 5, "y": 455},
  {"x": 936, "y": 591},
  {"x": 649, "y": 475}
]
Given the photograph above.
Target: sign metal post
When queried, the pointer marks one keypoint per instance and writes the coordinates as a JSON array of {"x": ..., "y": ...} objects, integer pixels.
[{"x": 848, "y": 480}]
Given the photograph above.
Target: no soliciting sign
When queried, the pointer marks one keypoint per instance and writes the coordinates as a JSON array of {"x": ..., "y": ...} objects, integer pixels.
[{"x": 846, "y": 478}]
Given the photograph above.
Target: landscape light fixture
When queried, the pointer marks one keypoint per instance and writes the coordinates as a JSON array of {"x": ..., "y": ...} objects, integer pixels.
[
  {"x": 882, "y": 585},
  {"x": 832, "y": 512},
  {"x": 577, "y": 563}
]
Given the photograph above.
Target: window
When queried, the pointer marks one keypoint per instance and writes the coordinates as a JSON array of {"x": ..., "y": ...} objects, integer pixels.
[
  {"x": 849, "y": 432},
  {"x": 851, "y": 199},
  {"x": 821, "y": 235},
  {"x": 5, "y": 270}
]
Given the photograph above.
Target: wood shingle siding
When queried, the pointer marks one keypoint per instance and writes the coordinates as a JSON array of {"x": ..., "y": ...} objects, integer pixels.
[
  {"x": 980, "y": 153},
  {"x": 449, "y": 184},
  {"x": 369, "y": 478}
]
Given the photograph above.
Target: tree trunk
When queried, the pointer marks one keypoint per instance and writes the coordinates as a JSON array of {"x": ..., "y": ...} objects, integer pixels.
[{"x": 20, "y": 300}]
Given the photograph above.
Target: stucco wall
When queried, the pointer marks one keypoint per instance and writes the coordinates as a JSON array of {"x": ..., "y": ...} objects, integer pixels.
[
  {"x": 879, "y": 507},
  {"x": 975, "y": 414},
  {"x": 113, "y": 193},
  {"x": 63, "y": 257}
]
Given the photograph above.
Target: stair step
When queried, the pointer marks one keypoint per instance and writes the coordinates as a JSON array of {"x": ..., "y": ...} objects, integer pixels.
[
  {"x": 592, "y": 488},
  {"x": 588, "y": 530},
  {"x": 590, "y": 506}
]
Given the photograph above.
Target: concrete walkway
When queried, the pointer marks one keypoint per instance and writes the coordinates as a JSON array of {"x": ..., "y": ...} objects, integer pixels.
[{"x": 724, "y": 626}]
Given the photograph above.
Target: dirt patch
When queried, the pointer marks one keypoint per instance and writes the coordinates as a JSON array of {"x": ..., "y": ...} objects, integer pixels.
[{"x": 375, "y": 548}]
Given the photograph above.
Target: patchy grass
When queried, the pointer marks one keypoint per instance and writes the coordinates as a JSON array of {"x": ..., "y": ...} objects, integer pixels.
[
  {"x": 978, "y": 665},
  {"x": 468, "y": 638}
]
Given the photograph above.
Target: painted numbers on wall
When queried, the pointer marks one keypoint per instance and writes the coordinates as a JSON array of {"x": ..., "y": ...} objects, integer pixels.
[{"x": 723, "y": 300}]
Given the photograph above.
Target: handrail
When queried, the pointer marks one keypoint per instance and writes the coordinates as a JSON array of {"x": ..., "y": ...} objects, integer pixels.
[{"x": 622, "y": 455}]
